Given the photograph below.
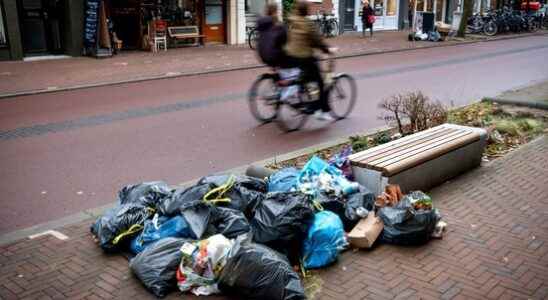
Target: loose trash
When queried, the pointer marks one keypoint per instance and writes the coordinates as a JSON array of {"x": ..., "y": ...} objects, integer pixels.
[
  {"x": 201, "y": 265},
  {"x": 158, "y": 228},
  {"x": 324, "y": 240},
  {"x": 119, "y": 224},
  {"x": 156, "y": 265},
  {"x": 255, "y": 271},
  {"x": 391, "y": 195},
  {"x": 148, "y": 194},
  {"x": 405, "y": 225},
  {"x": 341, "y": 161},
  {"x": 440, "y": 229},
  {"x": 284, "y": 180},
  {"x": 366, "y": 231},
  {"x": 317, "y": 175}
]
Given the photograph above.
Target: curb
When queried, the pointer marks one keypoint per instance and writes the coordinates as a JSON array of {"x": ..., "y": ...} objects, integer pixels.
[
  {"x": 532, "y": 104},
  {"x": 92, "y": 213},
  {"x": 250, "y": 67}
]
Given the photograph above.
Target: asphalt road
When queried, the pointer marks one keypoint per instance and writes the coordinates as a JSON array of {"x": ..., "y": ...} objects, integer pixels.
[{"x": 61, "y": 153}]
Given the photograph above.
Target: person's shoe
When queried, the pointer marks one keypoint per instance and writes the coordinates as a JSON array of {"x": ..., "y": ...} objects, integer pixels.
[{"x": 323, "y": 116}]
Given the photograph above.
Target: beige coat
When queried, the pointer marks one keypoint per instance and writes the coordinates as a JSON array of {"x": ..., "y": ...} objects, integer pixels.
[{"x": 303, "y": 38}]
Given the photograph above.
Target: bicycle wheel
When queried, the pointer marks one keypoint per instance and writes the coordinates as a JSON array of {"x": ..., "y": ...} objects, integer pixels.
[
  {"x": 342, "y": 96},
  {"x": 490, "y": 28},
  {"x": 333, "y": 28},
  {"x": 263, "y": 98},
  {"x": 252, "y": 37},
  {"x": 290, "y": 117}
]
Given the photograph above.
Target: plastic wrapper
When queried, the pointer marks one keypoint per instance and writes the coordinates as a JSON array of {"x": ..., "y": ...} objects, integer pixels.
[
  {"x": 318, "y": 176},
  {"x": 156, "y": 265},
  {"x": 148, "y": 194},
  {"x": 159, "y": 228},
  {"x": 255, "y": 271},
  {"x": 119, "y": 224},
  {"x": 201, "y": 265},
  {"x": 324, "y": 240}
]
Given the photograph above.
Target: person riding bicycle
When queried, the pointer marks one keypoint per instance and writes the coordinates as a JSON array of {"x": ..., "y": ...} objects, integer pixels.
[
  {"x": 303, "y": 39},
  {"x": 272, "y": 38}
]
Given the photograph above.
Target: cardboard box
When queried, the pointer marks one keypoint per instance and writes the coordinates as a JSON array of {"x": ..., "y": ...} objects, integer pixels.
[{"x": 364, "y": 234}]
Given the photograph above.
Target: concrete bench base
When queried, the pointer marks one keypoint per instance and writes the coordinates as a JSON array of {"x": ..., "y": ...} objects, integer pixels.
[{"x": 427, "y": 174}]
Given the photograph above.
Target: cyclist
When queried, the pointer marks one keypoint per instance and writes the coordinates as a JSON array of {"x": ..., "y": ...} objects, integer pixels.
[
  {"x": 302, "y": 40},
  {"x": 272, "y": 37}
]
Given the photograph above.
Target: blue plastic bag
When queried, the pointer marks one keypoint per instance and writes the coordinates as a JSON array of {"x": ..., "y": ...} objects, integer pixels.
[
  {"x": 159, "y": 228},
  {"x": 324, "y": 240},
  {"x": 283, "y": 180},
  {"x": 317, "y": 176}
]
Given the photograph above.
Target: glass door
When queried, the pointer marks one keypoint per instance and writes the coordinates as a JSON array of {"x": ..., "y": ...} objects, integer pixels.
[
  {"x": 386, "y": 14},
  {"x": 41, "y": 22}
]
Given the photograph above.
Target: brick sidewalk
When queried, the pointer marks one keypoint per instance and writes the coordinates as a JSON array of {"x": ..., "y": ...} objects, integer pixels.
[
  {"x": 496, "y": 247},
  {"x": 19, "y": 76}
]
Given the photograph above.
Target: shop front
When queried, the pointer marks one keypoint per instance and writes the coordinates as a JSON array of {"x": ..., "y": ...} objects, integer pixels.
[
  {"x": 387, "y": 14},
  {"x": 39, "y": 28}
]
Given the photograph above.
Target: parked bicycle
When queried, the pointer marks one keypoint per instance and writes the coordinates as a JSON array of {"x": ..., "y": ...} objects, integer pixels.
[
  {"x": 327, "y": 24},
  {"x": 504, "y": 20},
  {"x": 252, "y": 36},
  {"x": 290, "y": 102}
]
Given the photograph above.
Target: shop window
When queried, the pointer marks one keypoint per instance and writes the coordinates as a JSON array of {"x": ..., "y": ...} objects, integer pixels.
[
  {"x": 439, "y": 10},
  {"x": 390, "y": 7},
  {"x": 3, "y": 38}
]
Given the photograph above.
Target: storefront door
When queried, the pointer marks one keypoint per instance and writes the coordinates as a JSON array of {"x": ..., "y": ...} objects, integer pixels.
[
  {"x": 386, "y": 13},
  {"x": 214, "y": 21},
  {"x": 41, "y": 22}
]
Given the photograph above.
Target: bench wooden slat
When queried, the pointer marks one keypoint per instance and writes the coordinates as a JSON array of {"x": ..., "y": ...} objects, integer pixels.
[
  {"x": 440, "y": 145},
  {"x": 399, "y": 149},
  {"x": 430, "y": 154},
  {"x": 403, "y": 152},
  {"x": 379, "y": 149}
]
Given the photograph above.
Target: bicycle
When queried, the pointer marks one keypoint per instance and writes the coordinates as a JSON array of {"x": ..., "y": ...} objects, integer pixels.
[
  {"x": 252, "y": 36},
  {"x": 291, "y": 109},
  {"x": 328, "y": 27}
]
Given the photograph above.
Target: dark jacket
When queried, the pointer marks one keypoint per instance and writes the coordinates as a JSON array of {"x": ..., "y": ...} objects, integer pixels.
[
  {"x": 272, "y": 38},
  {"x": 366, "y": 12}
]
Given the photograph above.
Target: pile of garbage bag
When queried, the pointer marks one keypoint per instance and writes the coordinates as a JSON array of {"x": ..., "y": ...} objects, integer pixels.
[{"x": 245, "y": 236}]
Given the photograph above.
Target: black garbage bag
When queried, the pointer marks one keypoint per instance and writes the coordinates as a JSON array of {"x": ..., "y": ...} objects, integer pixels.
[
  {"x": 229, "y": 222},
  {"x": 197, "y": 215},
  {"x": 157, "y": 264},
  {"x": 363, "y": 199},
  {"x": 116, "y": 227},
  {"x": 147, "y": 193},
  {"x": 281, "y": 221},
  {"x": 180, "y": 197},
  {"x": 255, "y": 271},
  {"x": 403, "y": 225},
  {"x": 245, "y": 194},
  {"x": 348, "y": 208}
]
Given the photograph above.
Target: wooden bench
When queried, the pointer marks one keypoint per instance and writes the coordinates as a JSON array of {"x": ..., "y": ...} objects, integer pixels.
[
  {"x": 179, "y": 33},
  {"x": 421, "y": 160}
]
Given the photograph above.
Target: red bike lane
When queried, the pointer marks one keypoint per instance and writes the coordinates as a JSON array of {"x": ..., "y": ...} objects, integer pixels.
[{"x": 74, "y": 150}]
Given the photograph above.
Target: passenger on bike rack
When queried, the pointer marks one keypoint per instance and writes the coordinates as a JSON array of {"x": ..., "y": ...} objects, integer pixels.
[
  {"x": 303, "y": 38},
  {"x": 272, "y": 38}
]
